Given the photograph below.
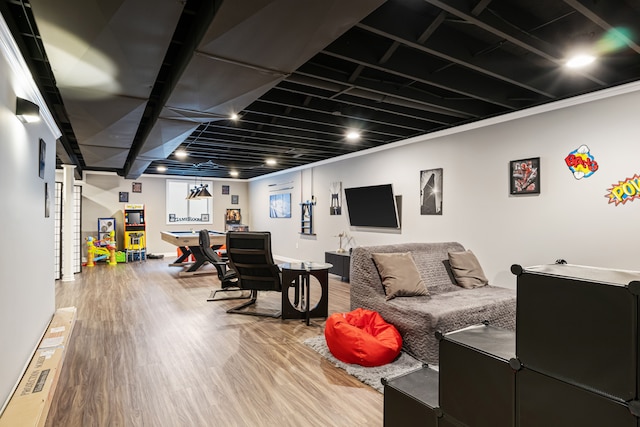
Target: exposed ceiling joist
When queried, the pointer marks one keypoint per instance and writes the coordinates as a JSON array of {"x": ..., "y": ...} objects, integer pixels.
[{"x": 130, "y": 82}]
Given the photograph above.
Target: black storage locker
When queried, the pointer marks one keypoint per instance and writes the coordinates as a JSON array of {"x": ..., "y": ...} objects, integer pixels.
[
  {"x": 573, "y": 360},
  {"x": 412, "y": 399},
  {"x": 580, "y": 324},
  {"x": 546, "y": 401},
  {"x": 477, "y": 383}
]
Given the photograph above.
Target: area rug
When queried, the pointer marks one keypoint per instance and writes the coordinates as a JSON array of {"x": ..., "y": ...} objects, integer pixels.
[{"x": 370, "y": 376}]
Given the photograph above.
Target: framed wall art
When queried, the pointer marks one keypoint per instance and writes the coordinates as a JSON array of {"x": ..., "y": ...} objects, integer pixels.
[
  {"x": 431, "y": 192},
  {"x": 335, "y": 204},
  {"x": 47, "y": 201},
  {"x": 524, "y": 176},
  {"x": 280, "y": 205},
  {"x": 42, "y": 150}
]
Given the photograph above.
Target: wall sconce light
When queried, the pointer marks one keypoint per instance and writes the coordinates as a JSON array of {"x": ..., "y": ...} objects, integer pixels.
[{"x": 27, "y": 111}]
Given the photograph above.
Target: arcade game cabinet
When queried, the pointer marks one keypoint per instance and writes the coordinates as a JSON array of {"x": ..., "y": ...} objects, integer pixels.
[{"x": 134, "y": 232}]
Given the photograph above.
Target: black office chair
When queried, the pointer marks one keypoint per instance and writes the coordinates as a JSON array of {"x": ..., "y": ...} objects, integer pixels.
[
  {"x": 228, "y": 277},
  {"x": 250, "y": 256}
]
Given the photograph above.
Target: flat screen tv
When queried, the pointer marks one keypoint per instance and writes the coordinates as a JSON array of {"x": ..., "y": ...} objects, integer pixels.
[{"x": 372, "y": 206}]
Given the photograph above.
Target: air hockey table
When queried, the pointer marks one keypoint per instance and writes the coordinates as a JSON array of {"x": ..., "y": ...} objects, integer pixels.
[{"x": 189, "y": 244}]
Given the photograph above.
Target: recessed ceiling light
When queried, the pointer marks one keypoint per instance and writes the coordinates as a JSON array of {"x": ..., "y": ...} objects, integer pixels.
[
  {"x": 234, "y": 116},
  {"x": 181, "y": 154},
  {"x": 161, "y": 168},
  {"x": 353, "y": 135},
  {"x": 580, "y": 60},
  {"x": 271, "y": 162},
  {"x": 234, "y": 173}
]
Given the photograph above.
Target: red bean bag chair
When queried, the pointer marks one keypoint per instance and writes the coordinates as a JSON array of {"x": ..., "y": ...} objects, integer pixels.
[{"x": 362, "y": 337}]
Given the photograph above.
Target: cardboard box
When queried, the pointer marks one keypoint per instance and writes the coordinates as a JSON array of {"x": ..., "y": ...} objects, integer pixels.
[{"x": 30, "y": 402}]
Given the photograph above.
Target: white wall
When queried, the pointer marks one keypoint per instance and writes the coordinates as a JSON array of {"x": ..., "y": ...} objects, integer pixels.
[
  {"x": 27, "y": 289},
  {"x": 570, "y": 219},
  {"x": 100, "y": 200}
]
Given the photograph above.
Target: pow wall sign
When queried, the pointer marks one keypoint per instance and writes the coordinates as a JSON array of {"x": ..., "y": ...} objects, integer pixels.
[
  {"x": 581, "y": 163},
  {"x": 624, "y": 191}
]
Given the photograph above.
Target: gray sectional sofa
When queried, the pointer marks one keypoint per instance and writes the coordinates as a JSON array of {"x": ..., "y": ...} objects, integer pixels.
[{"x": 448, "y": 307}]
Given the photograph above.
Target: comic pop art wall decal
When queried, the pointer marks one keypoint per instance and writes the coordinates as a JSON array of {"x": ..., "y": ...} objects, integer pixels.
[
  {"x": 581, "y": 163},
  {"x": 624, "y": 191}
]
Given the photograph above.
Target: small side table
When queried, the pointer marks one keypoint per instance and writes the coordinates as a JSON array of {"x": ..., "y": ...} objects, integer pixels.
[{"x": 298, "y": 274}]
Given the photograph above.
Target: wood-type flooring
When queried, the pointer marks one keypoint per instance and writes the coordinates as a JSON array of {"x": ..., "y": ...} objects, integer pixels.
[{"x": 149, "y": 350}]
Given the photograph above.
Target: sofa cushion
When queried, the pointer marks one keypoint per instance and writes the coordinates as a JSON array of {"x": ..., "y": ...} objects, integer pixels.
[
  {"x": 467, "y": 270},
  {"x": 399, "y": 274}
]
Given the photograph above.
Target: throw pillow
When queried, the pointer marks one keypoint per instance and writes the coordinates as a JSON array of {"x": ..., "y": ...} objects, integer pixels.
[
  {"x": 466, "y": 269},
  {"x": 400, "y": 276}
]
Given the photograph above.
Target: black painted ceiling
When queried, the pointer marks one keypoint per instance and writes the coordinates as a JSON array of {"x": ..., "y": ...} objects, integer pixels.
[{"x": 131, "y": 81}]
